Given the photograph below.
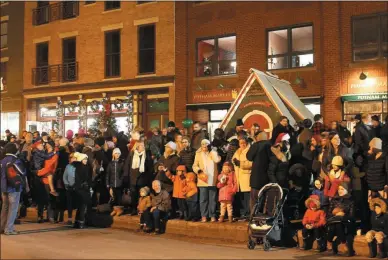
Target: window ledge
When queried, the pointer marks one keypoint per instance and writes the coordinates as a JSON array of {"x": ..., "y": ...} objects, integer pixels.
[
  {"x": 216, "y": 77},
  {"x": 112, "y": 79},
  {"x": 4, "y": 4},
  {"x": 148, "y": 3},
  {"x": 145, "y": 75},
  {"x": 41, "y": 86},
  {"x": 68, "y": 83},
  {"x": 111, "y": 11},
  {"x": 362, "y": 64},
  {"x": 89, "y": 4},
  {"x": 314, "y": 68},
  {"x": 69, "y": 19},
  {"x": 205, "y": 3}
]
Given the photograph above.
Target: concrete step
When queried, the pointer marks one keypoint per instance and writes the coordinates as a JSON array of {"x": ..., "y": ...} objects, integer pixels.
[{"x": 228, "y": 232}]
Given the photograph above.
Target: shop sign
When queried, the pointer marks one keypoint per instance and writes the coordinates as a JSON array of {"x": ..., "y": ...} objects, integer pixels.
[
  {"x": 212, "y": 96},
  {"x": 369, "y": 85},
  {"x": 383, "y": 96},
  {"x": 264, "y": 103}
]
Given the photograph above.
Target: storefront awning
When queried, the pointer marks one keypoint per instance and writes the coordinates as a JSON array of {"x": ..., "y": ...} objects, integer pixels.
[{"x": 365, "y": 97}]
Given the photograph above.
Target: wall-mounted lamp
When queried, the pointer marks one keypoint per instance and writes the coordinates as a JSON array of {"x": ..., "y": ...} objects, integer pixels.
[{"x": 363, "y": 76}]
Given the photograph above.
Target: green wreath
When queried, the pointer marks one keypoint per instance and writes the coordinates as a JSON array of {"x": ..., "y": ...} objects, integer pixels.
[
  {"x": 71, "y": 107},
  {"x": 94, "y": 106},
  {"x": 118, "y": 104}
]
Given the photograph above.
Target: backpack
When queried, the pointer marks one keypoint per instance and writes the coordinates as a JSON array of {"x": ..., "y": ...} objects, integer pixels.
[{"x": 15, "y": 178}]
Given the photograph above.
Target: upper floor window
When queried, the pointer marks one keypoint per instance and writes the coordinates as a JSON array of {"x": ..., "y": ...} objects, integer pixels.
[
  {"x": 370, "y": 37},
  {"x": 112, "y": 54},
  {"x": 290, "y": 47},
  {"x": 216, "y": 56},
  {"x": 3, "y": 76},
  {"x": 147, "y": 49},
  {"x": 4, "y": 35},
  {"x": 110, "y": 5}
]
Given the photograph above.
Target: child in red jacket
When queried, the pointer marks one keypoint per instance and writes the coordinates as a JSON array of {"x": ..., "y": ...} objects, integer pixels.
[
  {"x": 314, "y": 221},
  {"x": 227, "y": 183},
  {"x": 335, "y": 177}
]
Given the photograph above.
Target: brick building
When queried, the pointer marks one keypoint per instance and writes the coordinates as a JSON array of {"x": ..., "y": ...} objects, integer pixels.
[
  {"x": 322, "y": 48},
  {"x": 78, "y": 54},
  {"x": 11, "y": 76}
]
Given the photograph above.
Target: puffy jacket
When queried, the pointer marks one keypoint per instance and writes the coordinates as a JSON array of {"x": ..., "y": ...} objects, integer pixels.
[
  {"x": 384, "y": 137},
  {"x": 179, "y": 184},
  {"x": 322, "y": 198},
  {"x": 69, "y": 176},
  {"x": 361, "y": 139},
  {"x": 50, "y": 166},
  {"x": 115, "y": 174},
  {"x": 243, "y": 171},
  {"x": 278, "y": 168},
  {"x": 332, "y": 184},
  {"x": 187, "y": 158},
  {"x": 161, "y": 200},
  {"x": 201, "y": 161},
  {"x": 379, "y": 222},
  {"x": 346, "y": 203},
  {"x": 227, "y": 189},
  {"x": 259, "y": 153},
  {"x": 377, "y": 172},
  {"x": 316, "y": 218},
  {"x": 83, "y": 176},
  {"x": 19, "y": 165}
]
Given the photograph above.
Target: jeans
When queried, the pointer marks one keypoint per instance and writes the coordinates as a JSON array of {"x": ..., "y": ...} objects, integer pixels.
[
  {"x": 9, "y": 210},
  {"x": 192, "y": 207},
  {"x": 207, "y": 201},
  {"x": 154, "y": 219},
  {"x": 182, "y": 205},
  {"x": 46, "y": 199}
]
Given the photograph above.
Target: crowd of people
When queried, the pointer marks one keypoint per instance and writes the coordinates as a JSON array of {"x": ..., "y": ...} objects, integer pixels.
[{"x": 333, "y": 173}]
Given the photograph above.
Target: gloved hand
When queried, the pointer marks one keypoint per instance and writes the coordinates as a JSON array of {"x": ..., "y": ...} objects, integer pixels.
[
  {"x": 236, "y": 162},
  {"x": 223, "y": 179}
]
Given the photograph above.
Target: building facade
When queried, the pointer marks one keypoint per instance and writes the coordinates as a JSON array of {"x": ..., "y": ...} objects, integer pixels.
[
  {"x": 80, "y": 56},
  {"x": 11, "y": 70},
  {"x": 321, "y": 48}
]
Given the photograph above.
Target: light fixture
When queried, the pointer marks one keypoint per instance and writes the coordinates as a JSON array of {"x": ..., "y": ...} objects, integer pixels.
[
  {"x": 363, "y": 76},
  {"x": 233, "y": 64}
]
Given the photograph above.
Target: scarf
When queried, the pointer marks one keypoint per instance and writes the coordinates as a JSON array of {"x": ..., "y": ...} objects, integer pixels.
[{"x": 138, "y": 163}]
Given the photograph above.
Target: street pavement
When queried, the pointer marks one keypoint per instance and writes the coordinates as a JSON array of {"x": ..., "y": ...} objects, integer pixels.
[{"x": 48, "y": 241}]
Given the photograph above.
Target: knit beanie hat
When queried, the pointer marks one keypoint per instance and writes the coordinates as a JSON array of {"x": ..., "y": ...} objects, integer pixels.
[
  {"x": 338, "y": 161},
  {"x": 282, "y": 137},
  {"x": 116, "y": 150},
  {"x": 80, "y": 156},
  {"x": 181, "y": 168},
  {"x": 10, "y": 148},
  {"x": 376, "y": 143}
]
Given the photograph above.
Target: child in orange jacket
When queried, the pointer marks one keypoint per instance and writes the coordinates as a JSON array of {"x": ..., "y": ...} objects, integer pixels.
[
  {"x": 143, "y": 206},
  {"x": 190, "y": 190},
  {"x": 179, "y": 181},
  {"x": 314, "y": 221}
]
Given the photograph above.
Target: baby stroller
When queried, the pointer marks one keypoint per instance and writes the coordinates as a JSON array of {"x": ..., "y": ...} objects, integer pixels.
[{"x": 267, "y": 220}]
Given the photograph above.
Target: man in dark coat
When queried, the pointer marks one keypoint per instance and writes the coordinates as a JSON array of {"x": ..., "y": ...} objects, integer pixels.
[
  {"x": 281, "y": 127},
  {"x": 344, "y": 133},
  {"x": 384, "y": 135},
  {"x": 234, "y": 131},
  {"x": 198, "y": 135},
  {"x": 101, "y": 163},
  {"x": 259, "y": 154},
  {"x": 376, "y": 127},
  {"x": 361, "y": 140},
  {"x": 171, "y": 131}
]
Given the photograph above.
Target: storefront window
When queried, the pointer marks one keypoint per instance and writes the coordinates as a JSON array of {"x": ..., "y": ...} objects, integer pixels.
[
  {"x": 72, "y": 125},
  {"x": 157, "y": 106},
  {"x": 218, "y": 115},
  {"x": 216, "y": 56},
  {"x": 90, "y": 111},
  {"x": 9, "y": 121},
  {"x": 378, "y": 107},
  {"x": 314, "y": 108},
  {"x": 290, "y": 47},
  {"x": 122, "y": 124},
  {"x": 71, "y": 111},
  {"x": 48, "y": 112}
]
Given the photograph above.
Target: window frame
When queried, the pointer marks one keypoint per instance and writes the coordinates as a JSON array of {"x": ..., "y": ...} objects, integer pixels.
[
  {"x": 6, "y": 34},
  {"x": 3, "y": 71},
  {"x": 138, "y": 49},
  {"x": 289, "y": 54},
  {"x": 379, "y": 37},
  {"x": 89, "y": 2},
  {"x": 106, "y": 8},
  {"x": 216, "y": 52},
  {"x": 108, "y": 54}
]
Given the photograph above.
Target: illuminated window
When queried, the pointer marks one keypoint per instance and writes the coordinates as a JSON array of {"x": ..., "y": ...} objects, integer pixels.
[{"x": 4, "y": 35}]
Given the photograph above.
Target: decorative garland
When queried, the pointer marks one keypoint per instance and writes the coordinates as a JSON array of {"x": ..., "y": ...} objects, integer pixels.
[
  {"x": 58, "y": 123},
  {"x": 130, "y": 111},
  {"x": 119, "y": 104},
  {"x": 94, "y": 106},
  {"x": 71, "y": 107}
]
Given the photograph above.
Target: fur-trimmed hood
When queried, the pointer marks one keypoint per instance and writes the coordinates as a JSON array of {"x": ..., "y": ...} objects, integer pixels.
[
  {"x": 379, "y": 202},
  {"x": 281, "y": 156},
  {"x": 315, "y": 199}
]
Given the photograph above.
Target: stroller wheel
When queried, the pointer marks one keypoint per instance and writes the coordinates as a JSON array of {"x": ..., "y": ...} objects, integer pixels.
[
  {"x": 251, "y": 244},
  {"x": 266, "y": 245}
]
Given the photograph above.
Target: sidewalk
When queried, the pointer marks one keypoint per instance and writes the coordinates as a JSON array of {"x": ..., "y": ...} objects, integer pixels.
[{"x": 227, "y": 232}]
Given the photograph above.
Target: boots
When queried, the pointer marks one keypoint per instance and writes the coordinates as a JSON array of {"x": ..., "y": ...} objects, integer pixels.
[
  {"x": 381, "y": 251},
  {"x": 307, "y": 245},
  {"x": 221, "y": 219},
  {"x": 230, "y": 218},
  {"x": 119, "y": 210},
  {"x": 335, "y": 247},
  {"x": 372, "y": 250},
  {"x": 114, "y": 212},
  {"x": 349, "y": 245},
  {"x": 321, "y": 245}
]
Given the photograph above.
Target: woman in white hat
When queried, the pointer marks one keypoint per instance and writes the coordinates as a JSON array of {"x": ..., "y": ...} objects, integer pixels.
[
  {"x": 114, "y": 180},
  {"x": 205, "y": 166}
]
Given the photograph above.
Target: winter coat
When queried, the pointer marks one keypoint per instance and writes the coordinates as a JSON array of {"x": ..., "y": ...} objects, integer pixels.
[
  {"x": 122, "y": 141},
  {"x": 171, "y": 135},
  {"x": 361, "y": 139},
  {"x": 376, "y": 131},
  {"x": 161, "y": 200},
  {"x": 20, "y": 167},
  {"x": 201, "y": 162},
  {"x": 259, "y": 153},
  {"x": 171, "y": 163},
  {"x": 377, "y": 172},
  {"x": 100, "y": 157},
  {"x": 69, "y": 176},
  {"x": 228, "y": 189},
  {"x": 50, "y": 166},
  {"x": 346, "y": 155},
  {"x": 278, "y": 129},
  {"x": 178, "y": 185},
  {"x": 187, "y": 158},
  {"x": 190, "y": 189},
  {"x": 83, "y": 176},
  {"x": 144, "y": 204},
  {"x": 39, "y": 157},
  {"x": 243, "y": 171},
  {"x": 197, "y": 137},
  {"x": 88, "y": 150},
  {"x": 63, "y": 158},
  {"x": 155, "y": 145},
  {"x": 384, "y": 137},
  {"x": 304, "y": 138},
  {"x": 165, "y": 181},
  {"x": 231, "y": 150},
  {"x": 343, "y": 133},
  {"x": 346, "y": 203},
  {"x": 379, "y": 223},
  {"x": 322, "y": 198},
  {"x": 278, "y": 168},
  {"x": 137, "y": 178},
  {"x": 332, "y": 184},
  {"x": 316, "y": 218},
  {"x": 115, "y": 174}
]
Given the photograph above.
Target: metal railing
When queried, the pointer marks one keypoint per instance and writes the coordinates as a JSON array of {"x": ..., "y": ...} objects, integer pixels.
[
  {"x": 53, "y": 12},
  {"x": 66, "y": 72}
]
